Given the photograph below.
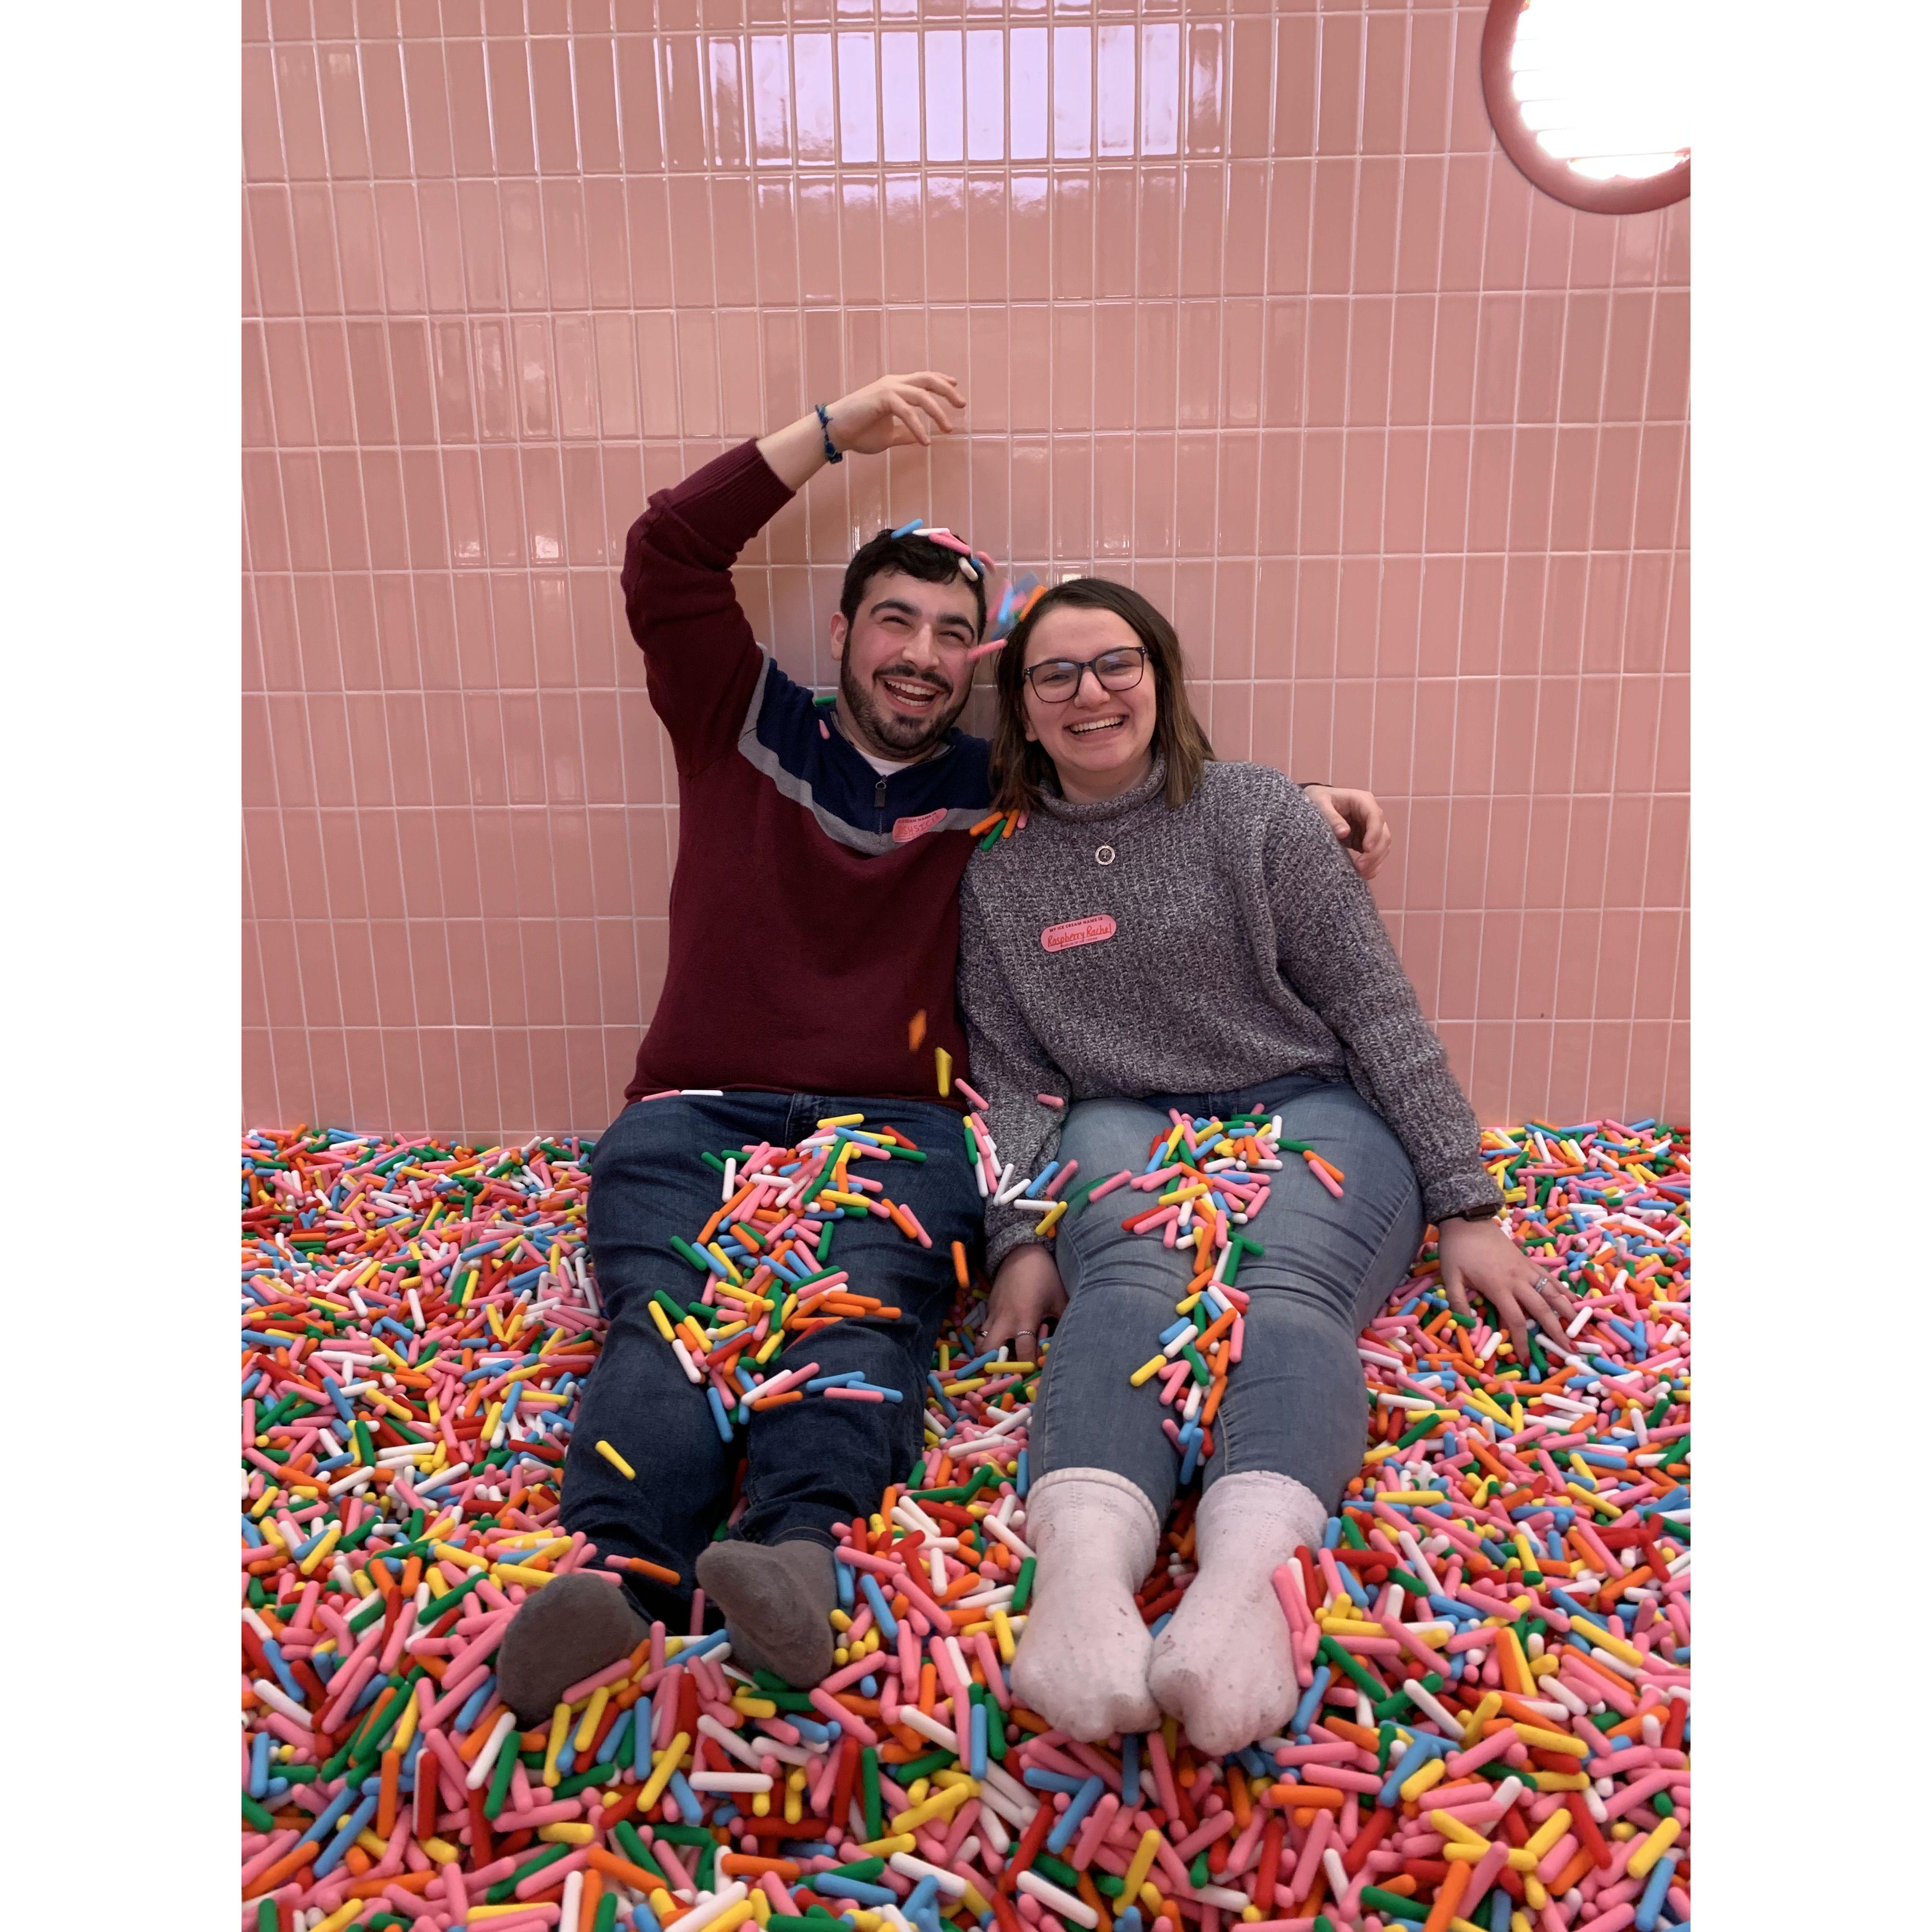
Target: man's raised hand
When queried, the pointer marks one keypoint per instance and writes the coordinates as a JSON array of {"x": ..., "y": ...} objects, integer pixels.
[{"x": 895, "y": 411}]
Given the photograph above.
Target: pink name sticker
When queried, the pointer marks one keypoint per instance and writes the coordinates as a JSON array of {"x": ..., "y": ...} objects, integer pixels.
[
  {"x": 905, "y": 830},
  {"x": 1078, "y": 932}
]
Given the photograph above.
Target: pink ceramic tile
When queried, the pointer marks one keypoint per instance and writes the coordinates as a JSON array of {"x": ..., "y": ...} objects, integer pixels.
[
  {"x": 1658, "y": 486},
  {"x": 1371, "y": 321},
  {"x": 1539, "y": 949},
  {"x": 269, "y": 251},
  {"x": 1410, "y": 338},
  {"x": 1626, "y": 358},
  {"x": 1667, "y": 858},
  {"x": 1331, "y": 254},
  {"x": 506, "y": 64},
  {"x": 1419, "y": 229},
  {"x": 1674, "y": 737},
  {"x": 1353, "y": 722},
  {"x": 1496, "y": 989},
  {"x": 262, "y": 153},
  {"x": 1516, "y": 735},
  {"x": 1202, "y": 331},
  {"x": 298, "y": 98},
  {"x": 286, "y": 412},
  {"x": 1531, "y": 477},
  {"x": 1638, "y": 244},
  {"x": 1244, "y": 237},
  {"x": 1623, "y": 862},
  {"x": 1273, "y": 256},
  {"x": 1364, "y": 464},
  {"x": 1453, "y": 366},
  {"x": 1464, "y": 220},
  {"x": 1506, "y": 228},
  {"x": 330, "y": 386},
  {"x": 1385, "y": 54},
  {"x": 1553, "y": 350},
  {"x": 1675, "y": 269},
  {"x": 1237, "y": 500},
  {"x": 1646, "y": 1076},
  {"x": 1491, "y": 451},
  {"x": 426, "y": 106},
  {"x": 1338, "y": 106},
  {"x": 1569, "y": 1069},
  {"x": 1552, "y": 233},
  {"x": 1499, "y": 358},
  {"x": 1454, "y": 999},
  {"x": 1204, "y": 198},
  {"x": 1524, "y": 586},
  {"x": 1616, "y": 485},
  {"x": 1378, "y": 226},
  {"x": 561, "y": 218}
]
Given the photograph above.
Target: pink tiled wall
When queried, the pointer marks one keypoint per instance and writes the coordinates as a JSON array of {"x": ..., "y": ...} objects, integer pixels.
[{"x": 1249, "y": 309}]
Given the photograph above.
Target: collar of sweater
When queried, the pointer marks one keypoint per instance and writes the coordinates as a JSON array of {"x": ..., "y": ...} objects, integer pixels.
[{"x": 1109, "y": 811}]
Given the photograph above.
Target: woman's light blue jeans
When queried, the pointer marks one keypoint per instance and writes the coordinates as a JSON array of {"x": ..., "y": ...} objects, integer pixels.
[{"x": 1295, "y": 1402}]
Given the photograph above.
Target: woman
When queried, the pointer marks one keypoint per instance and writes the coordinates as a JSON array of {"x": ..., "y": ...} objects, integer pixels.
[{"x": 1170, "y": 932}]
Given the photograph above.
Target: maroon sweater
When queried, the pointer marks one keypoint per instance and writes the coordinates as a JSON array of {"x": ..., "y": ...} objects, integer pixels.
[{"x": 815, "y": 908}]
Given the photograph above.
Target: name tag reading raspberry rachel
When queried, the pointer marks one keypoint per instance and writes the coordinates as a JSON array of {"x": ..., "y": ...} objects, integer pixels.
[
  {"x": 1078, "y": 932},
  {"x": 905, "y": 830}
]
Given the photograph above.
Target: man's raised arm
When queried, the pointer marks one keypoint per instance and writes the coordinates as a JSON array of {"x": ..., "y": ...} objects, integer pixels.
[{"x": 701, "y": 660}]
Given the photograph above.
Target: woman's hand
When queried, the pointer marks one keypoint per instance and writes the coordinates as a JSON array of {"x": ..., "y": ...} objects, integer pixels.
[
  {"x": 1026, "y": 1290},
  {"x": 1357, "y": 820},
  {"x": 1480, "y": 1255}
]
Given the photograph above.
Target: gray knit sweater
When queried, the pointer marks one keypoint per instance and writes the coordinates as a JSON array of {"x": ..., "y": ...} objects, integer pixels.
[{"x": 1243, "y": 948}]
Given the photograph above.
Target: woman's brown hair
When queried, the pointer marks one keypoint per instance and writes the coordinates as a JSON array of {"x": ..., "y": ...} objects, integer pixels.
[{"x": 1021, "y": 765}]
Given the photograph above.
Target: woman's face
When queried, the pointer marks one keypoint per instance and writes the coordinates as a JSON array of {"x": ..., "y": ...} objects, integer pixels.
[{"x": 1101, "y": 742}]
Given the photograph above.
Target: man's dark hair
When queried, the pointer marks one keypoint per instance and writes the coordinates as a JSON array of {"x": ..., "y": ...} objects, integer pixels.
[{"x": 911, "y": 556}]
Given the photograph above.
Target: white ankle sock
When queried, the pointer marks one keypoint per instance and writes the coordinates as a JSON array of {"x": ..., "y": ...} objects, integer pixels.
[
  {"x": 1222, "y": 1667},
  {"x": 1082, "y": 1662}
]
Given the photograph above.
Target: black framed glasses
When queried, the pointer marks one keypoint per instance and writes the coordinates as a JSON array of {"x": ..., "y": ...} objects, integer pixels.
[{"x": 1055, "y": 680}]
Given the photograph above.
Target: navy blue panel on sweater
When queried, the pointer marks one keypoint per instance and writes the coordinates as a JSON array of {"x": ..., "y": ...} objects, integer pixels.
[{"x": 796, "y": 742}]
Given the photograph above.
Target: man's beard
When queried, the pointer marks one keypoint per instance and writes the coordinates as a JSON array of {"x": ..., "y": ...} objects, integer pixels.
[{"x": 908, "y": 738}]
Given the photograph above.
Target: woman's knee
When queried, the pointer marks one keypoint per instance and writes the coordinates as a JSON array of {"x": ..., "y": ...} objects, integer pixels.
[
  {"x": 1301, "y": 1326},
  {"x": 1345, "y": 1254},
  {"x": 1119, "y": 1274}
]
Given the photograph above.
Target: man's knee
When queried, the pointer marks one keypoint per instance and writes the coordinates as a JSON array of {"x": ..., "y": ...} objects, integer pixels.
[
  {"x": 637, "y": 1398},
  {"x": 889, "y": 1354}
]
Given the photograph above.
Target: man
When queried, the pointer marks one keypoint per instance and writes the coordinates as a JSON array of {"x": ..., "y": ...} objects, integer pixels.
[{"x": 814, "y": 913}]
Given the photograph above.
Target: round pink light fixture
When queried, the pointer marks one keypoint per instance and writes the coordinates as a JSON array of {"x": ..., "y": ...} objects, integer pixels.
[{"x": 1589, "y": 99}]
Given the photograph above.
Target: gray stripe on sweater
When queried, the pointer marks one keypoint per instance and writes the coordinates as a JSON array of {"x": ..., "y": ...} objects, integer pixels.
[{"x": 755, "y": 752}]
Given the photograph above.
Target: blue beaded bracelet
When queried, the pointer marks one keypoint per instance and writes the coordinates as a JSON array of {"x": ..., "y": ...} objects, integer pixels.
[{"x": 832, "y": 455}]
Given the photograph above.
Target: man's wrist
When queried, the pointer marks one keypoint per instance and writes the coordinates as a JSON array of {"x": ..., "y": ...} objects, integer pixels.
[
  {"x": 796, "y": 453},
  {"x": 832, "y": 453}
]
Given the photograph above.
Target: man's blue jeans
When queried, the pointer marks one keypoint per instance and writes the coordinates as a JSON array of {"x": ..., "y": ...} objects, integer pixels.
[
  {"x": 1295, "y": 1402},
  {"x": 808, "y": 1464}
]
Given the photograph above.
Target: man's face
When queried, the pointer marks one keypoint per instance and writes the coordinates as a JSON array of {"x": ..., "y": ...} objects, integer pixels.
[{"x": 904, "y": 670}]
